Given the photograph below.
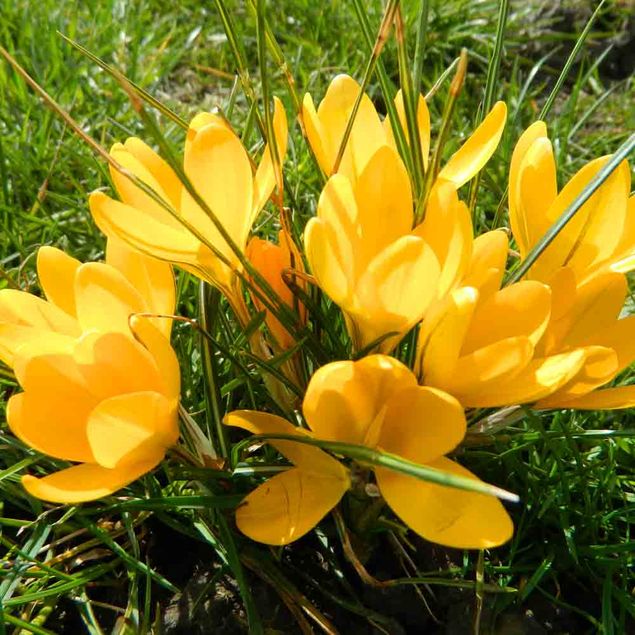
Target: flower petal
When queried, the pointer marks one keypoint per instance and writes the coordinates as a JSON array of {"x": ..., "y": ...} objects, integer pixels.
[
  {"x": 522, "y": 308},
  {"x": 131, "y": 428},
  {"x": 265, "y": 179},
  {"x": 487, "y": 264},
  {"x": 287, "y": 506},
  {"x": 441, "y": 336},
  {"x": 152, "y": 278},
  {"x": 447, "y": 228},
  {"x": 218, "y": 167},
  {"x": 537, "y": 380},
  {"x": 105, "y": 299},
  {"x": 56, "y": 273},
  {"x": 470, "y": 158},
  {"x": 13, "y": 338},
  {"x": 343, "y": 399},
  {"x": 86, "y": 482},
  {"x": 607, "y": 399},
  {"x": 52, "y": 422},
  {"x": 446, "y": 515},
  {"x": 482, "y": 369},
  {"x": 24, "y": 309},
  {"x": 423, "y": 123},
  {"x": 422, "y": 424}
]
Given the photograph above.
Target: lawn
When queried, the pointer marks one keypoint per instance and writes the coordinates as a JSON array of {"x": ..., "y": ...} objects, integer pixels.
[{"x": 165, "y": 557}]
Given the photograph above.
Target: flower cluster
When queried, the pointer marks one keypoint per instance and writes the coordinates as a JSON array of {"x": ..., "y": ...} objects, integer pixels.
[{"x": 101, "y": 381}]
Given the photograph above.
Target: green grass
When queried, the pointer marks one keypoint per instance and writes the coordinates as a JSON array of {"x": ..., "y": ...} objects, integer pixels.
[{"x": 93, "y": 568}]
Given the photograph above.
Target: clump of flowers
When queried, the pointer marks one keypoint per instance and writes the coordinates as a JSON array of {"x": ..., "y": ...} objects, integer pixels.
[{"x": 432, "y": 323}]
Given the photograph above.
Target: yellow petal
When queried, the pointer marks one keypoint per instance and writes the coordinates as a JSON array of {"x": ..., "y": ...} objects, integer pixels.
[
  {"x": 105, "y": 299},
  {"x": 152, "y": 278},
  {"x": 85, "y": 482},
  {"x": 130, "y": 429},
  {"x": 470, "y": 158},
  {"x": 384, "y": 204},
  {"x": 162, "y": 352},
  {"x": 316, "y": 134},
  {"x": 163, "y": 174},
  {"x": 607, "y": 399},
  {"x": 309, "y": 458},
  {"x": 486, "y": 366},
  {"x": 344, "y": 398},
  {"x": 600, "y": 366},
  {"x": 487, "y": 263},
  {"x": 602, "y": 232},
  {"x": 561, "y": 249},
  {"x": 14, "y": 338},
  {"x": 114, "y": 363},
  {"x": 287, "y": 506},
  {"x": 537, "y": 380},
  {"x": 24, "y": 309},
  {"x": 56, "y": 272},
  {"x": 396, "y": 289},
  {"x": 218, "y": 167},
  {"x": 52, "y": 422},
  {"x": 325, "y": 260},
  {"x": 597, "y": 305},
  {"x": 441, "y": 336},
  {"x": 152, "y": 236},
  {"x": 446, "y": 515},
  {"x": 447, "y": 228},
  {"x": 619, "y": 336},
  {"x": 422, "y": 424},
  {"x": 522, "y": 308},
  {"x": 366, "y": 136},
  {"x": 265, "y": 179},
  {"x": 423, "y": 123},
  {"x": 128, "y": 191},
  {"x": 623, "y": 260}
]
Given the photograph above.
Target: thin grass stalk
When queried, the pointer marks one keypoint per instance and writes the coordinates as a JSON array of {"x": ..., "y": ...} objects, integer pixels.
[
  {"x": 411, "y": 103},
  {"x": 144, "y": 94},
  {"x": 444, "y": 75},
  {"x": 382, "y": 37},
  {"x": 380, "y": 458},
  {"x": 444, "y": 131},
  {"x": 490, "y": 87},
  {"x": 261, "y": 38},
  {"x": 206, "y": 306},
  {"x": 546, "y": 109},
  {"x": 596, "y": 182},
  {"x": 386, "y": 85},
  {"x": 420, "y": 46}
]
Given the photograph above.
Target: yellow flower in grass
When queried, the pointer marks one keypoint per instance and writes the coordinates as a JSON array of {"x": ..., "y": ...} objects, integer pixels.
[
  {"x": 95, "y": 392},
  {"x": 219, "y": 168},
  {"x": 271, "y": 261},
  {"x": 325, "y": 130},
  {"x": 588, "y": 316},
  {"x": 365, "y": 254},
  {"x": 600, "y": 237},
  {"x": 374, "y": 402}
]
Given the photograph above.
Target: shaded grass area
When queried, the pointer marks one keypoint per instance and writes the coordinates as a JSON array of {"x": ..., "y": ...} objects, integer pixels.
[{"x": 71, "y": 569}]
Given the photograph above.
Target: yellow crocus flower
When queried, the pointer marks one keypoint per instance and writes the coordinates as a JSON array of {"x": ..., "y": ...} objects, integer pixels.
[
  {"x": 325, "y": 130},
  {"x": 366, "y": 256},
  {"x": 100, "y": 386},
  {"x": 600, "y": 236},
  {"x": 374, "y": 402},
  {"x": 219, "y": 168}
]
